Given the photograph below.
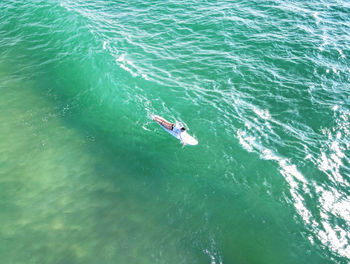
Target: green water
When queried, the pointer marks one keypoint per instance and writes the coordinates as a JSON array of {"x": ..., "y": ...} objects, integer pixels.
[{"x": 87, "y": 177}]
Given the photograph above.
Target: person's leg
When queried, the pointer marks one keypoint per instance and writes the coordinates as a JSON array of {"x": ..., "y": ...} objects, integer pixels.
[
  {"x": 167, "y": 125},
  {"x": 164, "y": 123}
]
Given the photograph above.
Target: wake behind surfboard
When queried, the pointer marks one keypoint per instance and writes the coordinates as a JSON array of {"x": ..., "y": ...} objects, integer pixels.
[{"x": 184, "y": 137}]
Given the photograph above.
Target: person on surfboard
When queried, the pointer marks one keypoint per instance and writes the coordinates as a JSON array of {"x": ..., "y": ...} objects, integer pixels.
[{"x": 178, "y": 127}]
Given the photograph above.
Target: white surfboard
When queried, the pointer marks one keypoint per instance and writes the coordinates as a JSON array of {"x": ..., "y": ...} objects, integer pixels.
[{"x": 186, "y": 138}]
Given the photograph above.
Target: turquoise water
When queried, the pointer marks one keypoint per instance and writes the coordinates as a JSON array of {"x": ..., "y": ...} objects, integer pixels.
[{"x": 87, "y": 177}]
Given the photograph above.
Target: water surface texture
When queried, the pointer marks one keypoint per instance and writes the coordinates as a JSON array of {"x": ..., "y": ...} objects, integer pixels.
[{"x": 87, "y": 177}]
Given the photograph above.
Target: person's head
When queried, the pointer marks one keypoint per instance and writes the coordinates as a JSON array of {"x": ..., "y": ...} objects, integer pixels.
[{"x": 183, "y": 129}]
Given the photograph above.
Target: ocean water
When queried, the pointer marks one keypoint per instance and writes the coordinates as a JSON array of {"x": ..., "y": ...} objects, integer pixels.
[{"x": 87, "y": 177}]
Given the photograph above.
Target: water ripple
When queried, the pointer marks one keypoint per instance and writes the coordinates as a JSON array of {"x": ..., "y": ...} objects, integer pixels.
[{"x": 271, "y": 77}]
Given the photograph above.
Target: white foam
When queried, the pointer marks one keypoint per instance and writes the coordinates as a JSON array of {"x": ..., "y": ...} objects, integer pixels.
[
  {"x": 215, "y": 258},
  {"x": 335, "y": 237},
  {"x": 145, "y": 128},
  {"x": 317, "y": 19},
  {"x": 288, "y": 170},
  {"x": 333, "y": 150},
  {"x": 121, "y": 58},
  {"x": 341, "y": 53},
  {"x": 264, "y": 114},
  {"x": 330, "y": 160},
  {"x": 308, "y": 157},
  {"x": 128, "y": 70},
  {"x": 246, "y": 142},
  {"x": 130, "y": 67},
  {"x": 294, "y": 179}
]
